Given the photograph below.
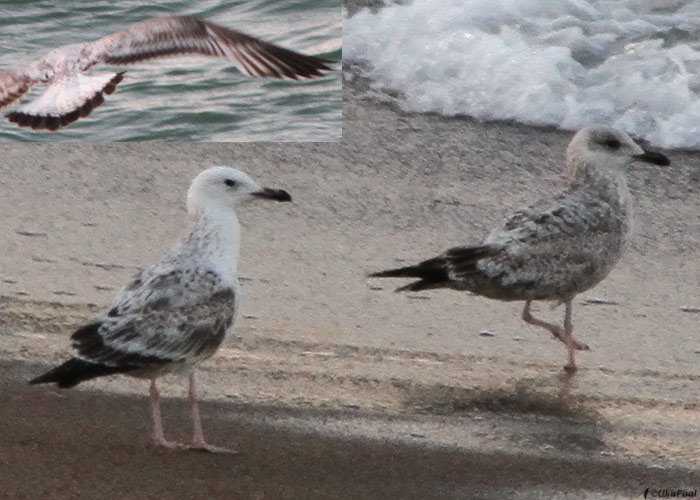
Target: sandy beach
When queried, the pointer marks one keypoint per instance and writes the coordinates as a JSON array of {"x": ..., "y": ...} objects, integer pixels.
[
  {"x": 322, "y": 351},
  {"x": 332, "y": 385},
  {"x": 78, "y": 444}
]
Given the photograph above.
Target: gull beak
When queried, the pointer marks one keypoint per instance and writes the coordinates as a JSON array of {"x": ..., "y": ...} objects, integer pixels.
[
  {"x": 654, "y": 157},
  {"x": 273, "y": 194}
]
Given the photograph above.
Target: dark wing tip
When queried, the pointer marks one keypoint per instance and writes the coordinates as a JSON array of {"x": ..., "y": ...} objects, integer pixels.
[
  {"x": 265, "y": 59},
  {"x": 296, "y": 65},
  {"x": 74, "y": 371}
]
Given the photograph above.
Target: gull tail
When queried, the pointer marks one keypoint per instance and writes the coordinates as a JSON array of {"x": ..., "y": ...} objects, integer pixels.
[
  {"x": 76, "y": 370},
  {"x": 439, "y": 272},
  {"x": 66, "y": 100}
]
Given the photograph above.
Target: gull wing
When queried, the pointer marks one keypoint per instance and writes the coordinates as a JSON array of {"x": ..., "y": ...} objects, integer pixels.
[
  {"x": 13, "y": 85},
  {"x": 163, "y": 316},
  {"x": 180, "y": 335},
  {"x": 65, "y": 100},
  {"x": 174, "y": 35},
  {"x": 569, "y": 242}
]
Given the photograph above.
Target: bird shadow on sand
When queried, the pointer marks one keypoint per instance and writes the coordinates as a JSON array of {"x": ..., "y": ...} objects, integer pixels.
[
  {"x": 538, "y": 396},
  {"x": 534, "y": 412}
]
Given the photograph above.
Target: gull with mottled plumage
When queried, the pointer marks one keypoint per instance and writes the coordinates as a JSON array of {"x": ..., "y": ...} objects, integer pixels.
[
  {"x": 555, "y": 248},
  {"x": 72, "y": 92},
  {"x": 175, "y": 313}
]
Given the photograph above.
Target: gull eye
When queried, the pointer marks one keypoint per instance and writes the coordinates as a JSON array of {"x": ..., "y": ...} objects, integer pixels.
[
  {"x": 612, "y": 143},
  {"x": 230, "y": 182}
]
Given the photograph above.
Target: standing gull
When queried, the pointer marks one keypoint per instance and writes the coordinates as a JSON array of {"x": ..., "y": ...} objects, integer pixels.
[
  {"x": 555, "y": 248},
  {"x": 72, "y": 92},
  {"x": 174, "y": 314}
]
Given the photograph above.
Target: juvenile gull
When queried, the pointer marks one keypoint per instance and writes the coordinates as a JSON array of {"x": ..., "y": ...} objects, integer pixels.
[
  {"x": 72, "y": 92},
  {"x": 174, "y": 314},
  {"x": 555, "y": 248}
]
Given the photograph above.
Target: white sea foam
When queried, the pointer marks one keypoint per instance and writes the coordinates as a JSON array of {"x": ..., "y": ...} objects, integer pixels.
[{"x": 632, "y": 64}]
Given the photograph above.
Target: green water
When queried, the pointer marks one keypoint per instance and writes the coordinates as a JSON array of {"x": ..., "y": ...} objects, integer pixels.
[{"x": 186, "y": 98}]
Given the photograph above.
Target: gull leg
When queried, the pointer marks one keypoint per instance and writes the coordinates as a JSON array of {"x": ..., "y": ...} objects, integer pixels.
[
  {"x": 555, "y": 330},
  {"x": 570, "y": 367},
  {"x": 198, "y": 442},
  {"x": 158, "y": 436}
]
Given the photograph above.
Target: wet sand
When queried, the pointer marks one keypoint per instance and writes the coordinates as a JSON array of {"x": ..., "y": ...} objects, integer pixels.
[{"x": 74, "y": 444}]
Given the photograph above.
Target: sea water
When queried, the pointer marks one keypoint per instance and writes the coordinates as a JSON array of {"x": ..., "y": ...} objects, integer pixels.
[
  {"x": 634, "y": 64},
  {"x": 186, "y": 98}
]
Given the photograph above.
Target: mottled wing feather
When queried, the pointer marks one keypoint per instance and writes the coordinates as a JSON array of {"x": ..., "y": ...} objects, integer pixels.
[
  {"x": 559, "y": 246},
  {"x": 165, "y": 286},
  {"x": 13, "y": 85},
  {"x": 571, "y": 214},
  {"x": 162, "y": 317},
  {"x": 183, "y": 335},
  {"x": 174, "y": 35}
]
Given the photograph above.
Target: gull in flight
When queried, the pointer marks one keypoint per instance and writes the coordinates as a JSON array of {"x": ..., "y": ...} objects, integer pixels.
[
  {"x": 71, "y": 92},
  {"x": 176, "y": 313},
  {"x": 555, "y": 248}
]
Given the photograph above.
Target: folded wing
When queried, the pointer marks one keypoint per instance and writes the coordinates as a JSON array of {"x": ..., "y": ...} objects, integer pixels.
[
  {"x": 164, "y": 336},
  {"x": 166, "y": 314}
]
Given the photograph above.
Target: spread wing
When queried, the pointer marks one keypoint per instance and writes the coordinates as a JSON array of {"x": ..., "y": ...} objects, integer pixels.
[
  {"x": 13, "y": 85},
  {"x": 172, "y": 316},
  {"x": 65, "y": 100},
  {"x": 174, "y": 35}
]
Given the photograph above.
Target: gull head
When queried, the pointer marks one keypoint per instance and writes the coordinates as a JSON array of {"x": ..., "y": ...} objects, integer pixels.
[
  {"x": 606, "y": 148},
  {"x": 223, "y": 188}
]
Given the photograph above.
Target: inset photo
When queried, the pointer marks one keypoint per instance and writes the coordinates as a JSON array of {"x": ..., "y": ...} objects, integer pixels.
[{"x": 193, "y": 70}]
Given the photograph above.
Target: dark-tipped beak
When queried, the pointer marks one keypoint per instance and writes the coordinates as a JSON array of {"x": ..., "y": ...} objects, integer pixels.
[
  {"x": 273, "y": 194},
  {"x": 653, "y": 157}
]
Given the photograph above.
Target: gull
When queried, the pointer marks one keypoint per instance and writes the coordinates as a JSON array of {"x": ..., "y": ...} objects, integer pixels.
[
  {"x": 556, "y": 248},
  {"x": 72, "y": 92},
  {"x": 175, "y": 313}
]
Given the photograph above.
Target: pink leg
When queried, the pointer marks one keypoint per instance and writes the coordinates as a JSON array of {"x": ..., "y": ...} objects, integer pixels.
[
  {"x": 570, "y": 342},
  {"x": 564, "y": 334},
  {"x": 198, "y": 442},
  {"x": 158, "y": 421}
]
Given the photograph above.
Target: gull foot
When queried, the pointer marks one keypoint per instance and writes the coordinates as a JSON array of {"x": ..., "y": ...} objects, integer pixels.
[
  {"x": 560, "y": 334},
  {"x": 169, "y": 445},
  {"x": 570, "y": 369},
  {"x": 208, "y": 448},
  {"x": 580, "y": 346}
]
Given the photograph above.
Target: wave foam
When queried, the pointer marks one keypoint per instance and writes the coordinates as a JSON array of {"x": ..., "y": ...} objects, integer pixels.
[{"x": 634, "y": 64}]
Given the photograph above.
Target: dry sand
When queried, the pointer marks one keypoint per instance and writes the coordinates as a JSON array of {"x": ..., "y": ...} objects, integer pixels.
[{"x": 334, "y": 386}]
